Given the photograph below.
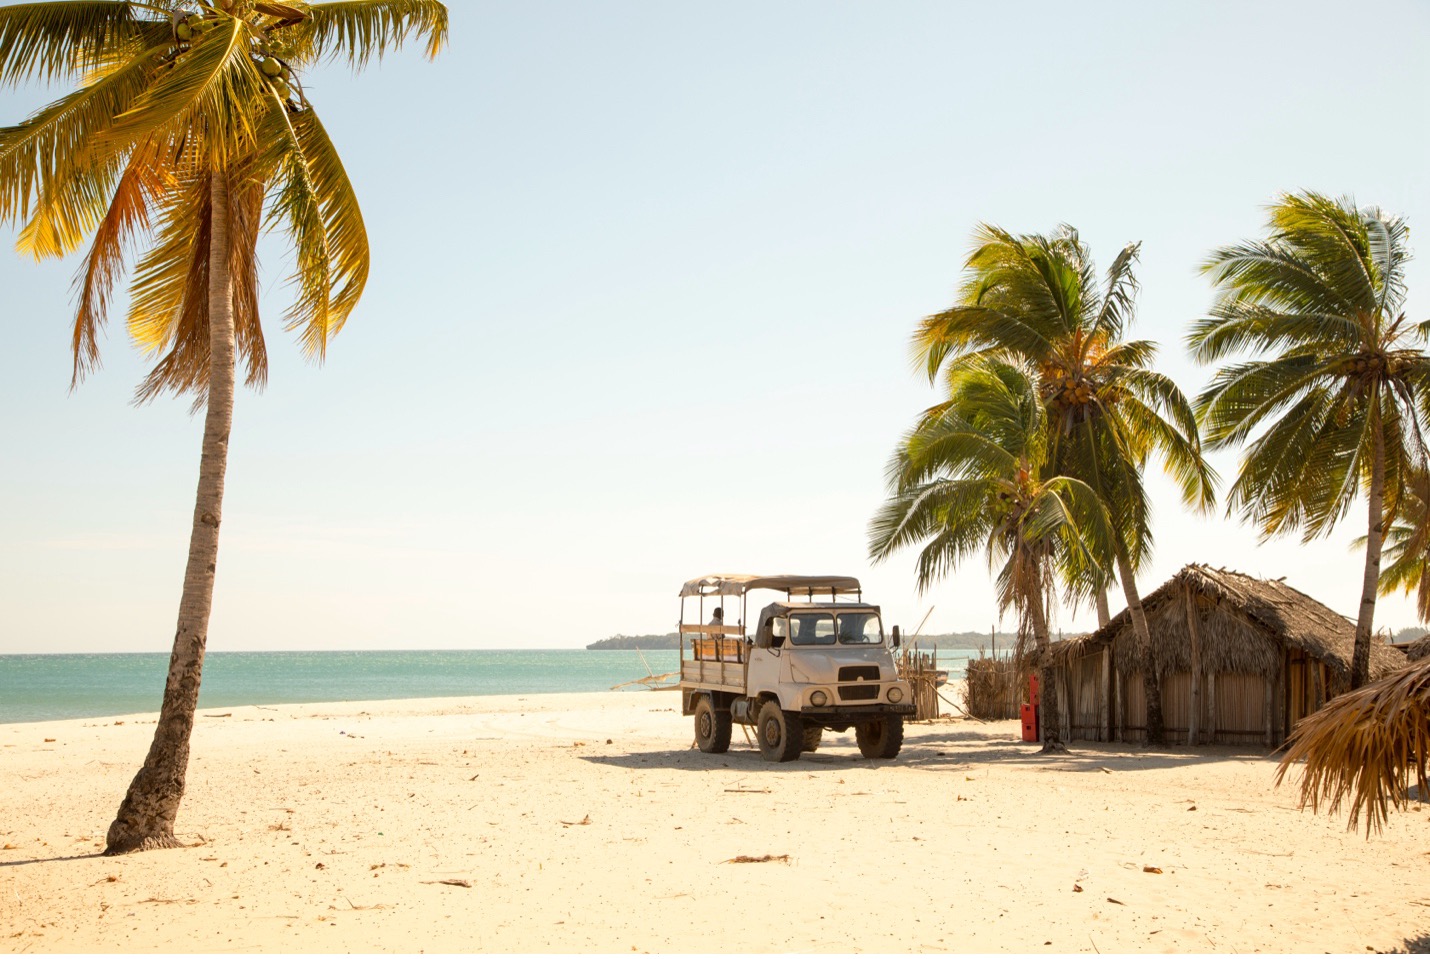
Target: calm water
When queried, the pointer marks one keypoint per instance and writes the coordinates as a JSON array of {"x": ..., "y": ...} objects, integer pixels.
[{"x": 37, "y": 688}]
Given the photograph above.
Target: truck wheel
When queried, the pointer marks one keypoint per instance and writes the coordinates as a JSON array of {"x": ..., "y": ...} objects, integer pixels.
[
  {"x": 812, "y": 736},
  {"x": 882, "y": 738},
  {"x": 712, "y": 727},
  {"x": 780, "y": 734}
]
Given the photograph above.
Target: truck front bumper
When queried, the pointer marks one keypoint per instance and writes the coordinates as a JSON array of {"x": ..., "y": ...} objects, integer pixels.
[{"x": 852, "y": 715}]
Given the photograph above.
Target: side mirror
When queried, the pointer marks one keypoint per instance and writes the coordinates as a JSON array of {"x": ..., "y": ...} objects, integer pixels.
[{"x": 896, "y": 637}]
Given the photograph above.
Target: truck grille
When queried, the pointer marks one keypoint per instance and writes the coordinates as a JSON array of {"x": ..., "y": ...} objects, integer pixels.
[
  {"x": 847, "y": 693},
  {"x": 850, "y": 674}
]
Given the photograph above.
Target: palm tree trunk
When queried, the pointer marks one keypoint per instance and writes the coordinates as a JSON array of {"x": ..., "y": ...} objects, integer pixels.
[
  {"x": 1103, "y": 614},
  {"x": 1151, "y": 682},
  {"x": 1374, "y": 539},
  {"x": 1048, "y": 717},
  {"x": 146, "y": 817}
]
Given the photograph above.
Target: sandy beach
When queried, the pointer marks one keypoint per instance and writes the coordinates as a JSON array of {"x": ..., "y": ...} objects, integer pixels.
[{"x": 587, "y": 823}]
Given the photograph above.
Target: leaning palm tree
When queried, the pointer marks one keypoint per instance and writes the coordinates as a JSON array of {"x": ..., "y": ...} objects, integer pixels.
[
  {"x": 1329, "y": 404},
  {"x": 189, "y": 126},
  {"x": 969, "y": 478},
  {"x": 1037, "y": 300},
  {"x": 1365, "y": 746}
]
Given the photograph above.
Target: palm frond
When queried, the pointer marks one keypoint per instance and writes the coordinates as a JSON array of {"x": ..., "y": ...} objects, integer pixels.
[
  {"x": 55, "y": 41},
  {"x": 358, "y": 30}
]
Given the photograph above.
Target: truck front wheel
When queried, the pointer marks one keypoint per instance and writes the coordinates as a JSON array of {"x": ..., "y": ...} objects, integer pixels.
[
  {"x": 882, "y": 738},
  {"x": 712, "y": 727},
  {"x": 780, "y": 734}
]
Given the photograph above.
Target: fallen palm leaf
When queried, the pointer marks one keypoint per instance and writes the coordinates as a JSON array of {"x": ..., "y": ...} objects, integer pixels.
[{"x": 1364, "y": 746}]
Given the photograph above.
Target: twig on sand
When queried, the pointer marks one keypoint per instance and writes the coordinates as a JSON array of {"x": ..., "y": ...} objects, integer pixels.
[
  {"x": 765, "y": 858},
  {"x": 586, "y": 821},
  {"x": 464, "y": 883},
  {"x": 747, "y": 790}
]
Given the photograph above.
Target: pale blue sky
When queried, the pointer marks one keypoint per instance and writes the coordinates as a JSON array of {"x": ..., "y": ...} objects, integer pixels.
[{"x": 644, "y": 276}]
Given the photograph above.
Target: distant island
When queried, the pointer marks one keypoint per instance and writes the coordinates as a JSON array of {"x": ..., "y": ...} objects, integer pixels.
[{"x": 941, "y": 640}]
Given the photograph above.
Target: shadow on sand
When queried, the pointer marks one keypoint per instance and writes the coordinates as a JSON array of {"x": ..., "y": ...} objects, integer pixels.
[{"x": 941, "y": 746}]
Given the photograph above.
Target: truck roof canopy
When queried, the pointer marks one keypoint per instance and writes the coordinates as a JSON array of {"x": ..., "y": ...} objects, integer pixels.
[{"x": 738, "y": 584}]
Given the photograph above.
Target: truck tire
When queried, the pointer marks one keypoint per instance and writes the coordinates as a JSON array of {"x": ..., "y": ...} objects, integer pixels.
[
  {"x": 812, "y": 736},
  {"x": 780, "y": 734},
  {"x": 712, "y": 727},
  {"x": 882, "y": 738}
]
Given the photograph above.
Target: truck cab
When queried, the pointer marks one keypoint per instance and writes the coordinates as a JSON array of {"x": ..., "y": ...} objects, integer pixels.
[{"x": 820, "y": 658}]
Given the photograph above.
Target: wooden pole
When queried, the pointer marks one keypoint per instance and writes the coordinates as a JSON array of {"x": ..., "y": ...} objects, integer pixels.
[{"x": 1195, "y": 628}]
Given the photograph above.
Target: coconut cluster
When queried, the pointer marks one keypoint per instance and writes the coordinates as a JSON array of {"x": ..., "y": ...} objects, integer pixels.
[{"x": 269, "y": 55}]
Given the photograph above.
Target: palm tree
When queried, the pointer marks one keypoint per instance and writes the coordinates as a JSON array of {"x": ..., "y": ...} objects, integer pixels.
[
  {"x": 969, "y": 478},
  {"x": 189, "y": 125},
  {"x": 1407, "y": 543},
  {"x": 1334, "y": 392},
  {"x": 1036, "y": 299}
]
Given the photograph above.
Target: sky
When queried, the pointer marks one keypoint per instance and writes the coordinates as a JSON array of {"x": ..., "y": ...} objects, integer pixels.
[{"x": 644, "y": 277}]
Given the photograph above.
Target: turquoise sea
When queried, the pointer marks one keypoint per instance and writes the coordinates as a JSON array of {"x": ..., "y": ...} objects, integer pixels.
[{"x": 35, "y": 688}]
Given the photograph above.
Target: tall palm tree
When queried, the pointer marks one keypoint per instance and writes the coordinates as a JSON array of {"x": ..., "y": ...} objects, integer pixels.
[
  {"x": 970, "y": 478},
  {"x": 1329, "y": 405},
  {"x": 1037, "y": 300},
  {"x": 1407, "y": 543},
  {"x": 189, "y": 125}
]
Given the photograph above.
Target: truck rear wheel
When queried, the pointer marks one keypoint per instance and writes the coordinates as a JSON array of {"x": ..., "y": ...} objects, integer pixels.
[
  {"x": 780, "y": 734},
  {"x": 882, "y": 738},
  {"x": 812, "y": 736},
  {"x": 712, "y": 727}
]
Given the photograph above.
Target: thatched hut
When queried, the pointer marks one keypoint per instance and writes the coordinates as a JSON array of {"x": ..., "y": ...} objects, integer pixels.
[
  {"x": 1418, "y": 650},
  {"x": 1240, "y": 659}
]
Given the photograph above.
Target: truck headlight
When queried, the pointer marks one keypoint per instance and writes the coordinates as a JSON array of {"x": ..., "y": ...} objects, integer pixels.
[
  {"x": 896, "y": 695},
  {"x": 818, "y": 698}
]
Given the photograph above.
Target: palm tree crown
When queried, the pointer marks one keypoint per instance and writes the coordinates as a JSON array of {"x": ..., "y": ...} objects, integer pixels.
[{"x": 169, "y": 93}]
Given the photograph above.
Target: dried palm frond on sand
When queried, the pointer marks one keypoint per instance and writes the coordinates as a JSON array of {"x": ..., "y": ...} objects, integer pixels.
[{"x": 1363, "y": 747}]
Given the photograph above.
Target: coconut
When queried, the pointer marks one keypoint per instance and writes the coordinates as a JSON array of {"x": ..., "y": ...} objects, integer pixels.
[
  {"x": 271, "y": 67},
  {"x": 184, "y": 32},
  {"x": 284, "y": 91}
]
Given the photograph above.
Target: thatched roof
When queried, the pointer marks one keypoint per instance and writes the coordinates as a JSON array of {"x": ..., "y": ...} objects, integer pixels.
[
  {"x": 1419, "y": 649},
  {"x": 1244, "y": 624}
]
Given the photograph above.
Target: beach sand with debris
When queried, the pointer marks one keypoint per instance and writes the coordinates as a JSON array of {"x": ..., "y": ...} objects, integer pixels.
[{"x": 587, "y": 823}]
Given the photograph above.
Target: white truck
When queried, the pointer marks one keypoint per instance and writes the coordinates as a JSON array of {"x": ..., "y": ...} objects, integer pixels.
[{"x": 817, "y": 660}]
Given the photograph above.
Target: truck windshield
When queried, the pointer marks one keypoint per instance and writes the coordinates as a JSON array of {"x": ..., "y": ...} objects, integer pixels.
[
  {"x": 811, "y": 629},
  {"x": 860, "y": 629},
  {"x": 825, "y": 629}
]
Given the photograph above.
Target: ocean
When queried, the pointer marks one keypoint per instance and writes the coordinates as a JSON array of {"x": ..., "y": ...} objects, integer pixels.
[{"x": 36, "y": 688}]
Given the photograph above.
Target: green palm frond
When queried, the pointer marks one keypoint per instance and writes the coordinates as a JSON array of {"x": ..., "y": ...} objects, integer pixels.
[
  {"x": 56, "y": 41},
  {"x": 56, "y": 151},
  {"x": 214, "y": 93},
  {"x": 359, "y": 30}
]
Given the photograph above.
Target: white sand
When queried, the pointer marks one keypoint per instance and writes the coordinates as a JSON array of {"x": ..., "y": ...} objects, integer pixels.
[{"x": 587, "y": 823}]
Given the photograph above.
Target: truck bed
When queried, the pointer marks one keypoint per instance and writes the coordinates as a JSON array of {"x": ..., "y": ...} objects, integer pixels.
[{"x": 709, "y": 674}]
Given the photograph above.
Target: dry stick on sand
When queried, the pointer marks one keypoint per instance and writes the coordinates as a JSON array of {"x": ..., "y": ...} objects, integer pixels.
[{"x": 764, "y": 858}]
